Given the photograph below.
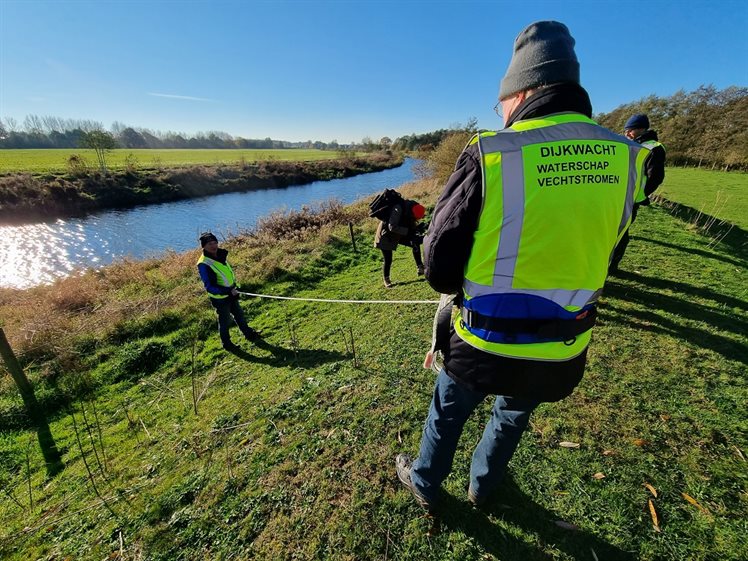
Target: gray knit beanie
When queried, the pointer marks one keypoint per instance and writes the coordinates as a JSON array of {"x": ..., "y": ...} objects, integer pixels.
[{"x": 543, "y": 54}]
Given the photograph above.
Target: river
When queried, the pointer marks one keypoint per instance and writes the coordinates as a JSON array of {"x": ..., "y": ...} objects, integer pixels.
[{"x": 38, "y": 253}]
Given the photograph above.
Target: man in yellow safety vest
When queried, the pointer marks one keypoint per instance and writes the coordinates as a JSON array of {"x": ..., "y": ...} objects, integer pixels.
[
  {"x": 523, "y": 233},
  {"x": 220, "y": 283},
  {"x": 637, "y": 129}
]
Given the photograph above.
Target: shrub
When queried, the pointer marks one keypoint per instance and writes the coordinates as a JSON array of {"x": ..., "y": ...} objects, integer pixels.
[
  {"x": 77, "y": 165},
  {"x": 298, "y": 225},
  {"x": 131, "y": 163},
  {"x": 440, "y": 163}
]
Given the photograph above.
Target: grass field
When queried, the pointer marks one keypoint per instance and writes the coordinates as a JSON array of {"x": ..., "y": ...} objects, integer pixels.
[
  {"x": 291, "y": 452},
  {"x": 38, "y": 161},
  {"x": 716, "y": 193}
]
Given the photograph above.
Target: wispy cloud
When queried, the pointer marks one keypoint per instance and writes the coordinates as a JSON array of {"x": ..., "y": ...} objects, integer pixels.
[{"x": 174, "y": 96}]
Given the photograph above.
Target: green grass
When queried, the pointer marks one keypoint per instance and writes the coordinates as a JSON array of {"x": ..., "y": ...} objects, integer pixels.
[
  {"x": 716, "y": 193},
  {"x": 291, "y": 453},
  {"x": 38, "y": 161}
]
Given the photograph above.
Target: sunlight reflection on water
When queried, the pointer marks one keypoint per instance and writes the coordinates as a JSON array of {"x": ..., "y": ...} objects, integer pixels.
[{"x": 38, "y": 253}]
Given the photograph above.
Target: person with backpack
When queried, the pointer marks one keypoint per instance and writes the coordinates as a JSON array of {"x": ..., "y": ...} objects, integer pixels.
[{"x": 398, "y": 225}]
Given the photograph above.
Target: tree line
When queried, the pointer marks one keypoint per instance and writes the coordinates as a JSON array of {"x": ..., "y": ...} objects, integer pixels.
[
  {"x": 705, "y": 127},
  {"x": 74, "y": 131},
  {"x": 429, "y": 140},
  {"x": 47, "y": 131}
]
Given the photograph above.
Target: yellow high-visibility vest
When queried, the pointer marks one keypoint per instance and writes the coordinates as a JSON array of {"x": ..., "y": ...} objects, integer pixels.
[
  {"x": 224, "y": 274},
  {"x": 650, "y": 144},
  {"x": 558, "y": 194}
]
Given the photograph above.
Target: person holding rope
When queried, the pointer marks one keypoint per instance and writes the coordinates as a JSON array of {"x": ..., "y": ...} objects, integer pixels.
[
  {"x": 220, "y": 283},
  {"x": 523, "y": 232},
  {"x": 400, "y": 227}
]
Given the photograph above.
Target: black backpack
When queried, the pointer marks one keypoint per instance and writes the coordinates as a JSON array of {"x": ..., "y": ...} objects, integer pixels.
[{"x": 382, "y": 204}]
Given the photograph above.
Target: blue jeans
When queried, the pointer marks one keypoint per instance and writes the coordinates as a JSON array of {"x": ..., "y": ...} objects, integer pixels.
[
  {"x": 225, "y": 308},
  {"x": 451, "y": 406}
]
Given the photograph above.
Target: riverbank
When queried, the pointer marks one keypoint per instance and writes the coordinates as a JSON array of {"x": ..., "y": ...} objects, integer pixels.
[
  {"x": 26, "y": 197},
  {"x": 286, "y": 450}
]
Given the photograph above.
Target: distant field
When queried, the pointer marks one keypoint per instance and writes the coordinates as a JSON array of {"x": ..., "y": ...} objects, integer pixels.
[
  {"x": 56, "y": 159},
  {"x": 716, "y": 193}
]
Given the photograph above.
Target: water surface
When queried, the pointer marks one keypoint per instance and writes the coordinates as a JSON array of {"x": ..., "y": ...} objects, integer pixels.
[{"x": 38, "y": 253}]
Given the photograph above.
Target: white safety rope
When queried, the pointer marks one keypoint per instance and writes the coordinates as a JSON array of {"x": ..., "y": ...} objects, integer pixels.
[{"x": 339, "y": 301}]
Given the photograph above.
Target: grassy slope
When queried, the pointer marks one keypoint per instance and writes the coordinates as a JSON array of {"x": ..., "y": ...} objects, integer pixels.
[
  {"x": 716, "y": 193},
  {"x": 56, "y": 159},
  {"x": 306, "y": 472}
]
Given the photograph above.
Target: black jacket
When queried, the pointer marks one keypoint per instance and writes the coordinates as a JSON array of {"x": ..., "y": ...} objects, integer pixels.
[
  {"x": 447, "y": 248},
  {"x": 400, "y": 228},
  {"x": 654, "y": 166}
]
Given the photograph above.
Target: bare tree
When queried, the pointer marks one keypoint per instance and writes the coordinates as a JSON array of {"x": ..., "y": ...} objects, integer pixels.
[
  {"x": 117, "y": 128},
  {"x": 33, "y": 124},
  {"x": 53, "y": 124},
  {"x": 11, "y": 124}
]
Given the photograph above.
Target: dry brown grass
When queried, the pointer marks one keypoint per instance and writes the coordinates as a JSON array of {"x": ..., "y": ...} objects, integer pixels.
[
  {"x": 299, "y": 225},
  {"x": 46, "y": 321}
]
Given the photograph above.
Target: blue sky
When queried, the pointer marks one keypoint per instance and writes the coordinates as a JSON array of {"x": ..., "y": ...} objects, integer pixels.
[{"x": 311, "y": 70}]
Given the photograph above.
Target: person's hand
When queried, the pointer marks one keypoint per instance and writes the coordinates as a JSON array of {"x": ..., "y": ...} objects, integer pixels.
[{"x": 428, "y": 360}]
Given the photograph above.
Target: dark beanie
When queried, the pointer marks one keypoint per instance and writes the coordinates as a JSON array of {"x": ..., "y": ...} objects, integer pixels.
[
  {"x": 638, "y": 121},
  {"x": 543, "y": 55},
  {"x": 206, "y": 237}
]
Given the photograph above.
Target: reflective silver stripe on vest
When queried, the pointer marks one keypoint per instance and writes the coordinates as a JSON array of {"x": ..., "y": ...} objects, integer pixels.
[
  {"x": 580, "y": 297},
  {"x": 651, "y": 144},
  {"x": 508, "y": 139},
  {"x": 634, "y": 179},
  {"x": 210, "y": 262},
  {"x": 513, "y": 201},
  {"x": 482, "y": 174}
]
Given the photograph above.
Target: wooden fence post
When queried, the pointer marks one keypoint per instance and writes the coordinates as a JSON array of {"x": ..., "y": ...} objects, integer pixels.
[
  {"x": 46, "y": 441},
  {"x": 353, "y": 238}
]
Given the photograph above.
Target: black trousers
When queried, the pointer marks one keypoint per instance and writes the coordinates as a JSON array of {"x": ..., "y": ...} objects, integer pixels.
[
  {"x": 387, "y": 254},
  {"x": 623, "y": 244},
  {"x": 225, "y": 308}
]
